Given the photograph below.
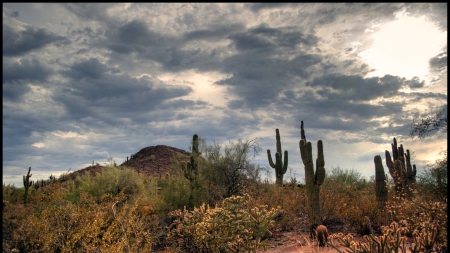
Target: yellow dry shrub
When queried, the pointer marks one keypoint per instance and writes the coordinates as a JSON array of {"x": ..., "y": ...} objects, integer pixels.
[
  {"x": 233, "y": 227},
  {"x": 105, "y": 224}
]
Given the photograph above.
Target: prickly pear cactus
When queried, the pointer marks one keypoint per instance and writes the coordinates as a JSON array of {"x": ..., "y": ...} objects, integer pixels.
[
  {"x": 313, "y": 179},
  {"x": 280, "y": 168}
]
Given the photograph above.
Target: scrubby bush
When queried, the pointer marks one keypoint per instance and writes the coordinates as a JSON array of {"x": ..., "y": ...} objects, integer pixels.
[
  {"x": 234, "y": 226},
  {"x": 112, "y": 180},
  {"x": 291, "y": 200},
  {"x": 432, "y": 182},
  {"x": 346, "y": 198}
]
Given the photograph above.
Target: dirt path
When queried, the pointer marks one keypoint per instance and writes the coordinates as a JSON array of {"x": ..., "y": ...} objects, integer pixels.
[{"x": 289, "y": 242}]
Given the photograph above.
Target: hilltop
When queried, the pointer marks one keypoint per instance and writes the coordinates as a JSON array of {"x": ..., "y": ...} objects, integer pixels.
[
  {"x": 152, "y": 161},
  {"x": 155, "y": 160}
]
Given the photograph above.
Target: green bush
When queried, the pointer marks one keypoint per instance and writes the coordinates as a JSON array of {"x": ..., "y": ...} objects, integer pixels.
[{"x": 112, "y": 180}]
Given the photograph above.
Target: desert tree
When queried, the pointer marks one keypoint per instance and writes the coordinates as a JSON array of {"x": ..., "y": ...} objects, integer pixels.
[{"x": 423, "y": 127}]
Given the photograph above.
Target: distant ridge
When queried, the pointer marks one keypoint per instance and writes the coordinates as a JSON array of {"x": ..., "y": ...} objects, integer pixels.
[
  {"x": 155, "y": 160},
  {"x": 152, "y": 161}
]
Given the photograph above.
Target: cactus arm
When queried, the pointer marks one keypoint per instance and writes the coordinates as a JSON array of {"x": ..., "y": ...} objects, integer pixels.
[
  {"x": 303, "y": 153},
  {"x": 285, "y": 164},
  {"x": 394, "y": 149},
  {"x": 270, "y": 159},
  {"x": 320, "y": 164},
  {"x": 389, "y": 162}
]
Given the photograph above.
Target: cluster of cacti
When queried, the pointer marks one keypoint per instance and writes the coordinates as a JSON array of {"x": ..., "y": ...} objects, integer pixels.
[
  {"x": 392, "y": 239},
  {"x": 39, "y": 184},
  {"x": 234, "y": 227},
  {"x": 279, "y": 166},
  {"x": 426, "y": 240},
  {"x": 313, "y": 178},
  {"x": 190, "y": 169},
  {"x": 400, "y": 168},
  {"x": 381, "y": 192},
  {"x": 27, "y": 183}
]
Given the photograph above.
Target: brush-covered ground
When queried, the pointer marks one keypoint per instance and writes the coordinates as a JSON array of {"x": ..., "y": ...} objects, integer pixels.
[{"x": 118, "y": 209}]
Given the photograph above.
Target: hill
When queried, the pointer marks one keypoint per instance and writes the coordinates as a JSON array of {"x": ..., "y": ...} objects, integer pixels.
[
  {"x": 155, "y": 160},
  {"x": 152, "y": 161}
]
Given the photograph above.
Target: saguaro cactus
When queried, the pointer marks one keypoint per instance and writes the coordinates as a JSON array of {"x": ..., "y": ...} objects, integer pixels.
[
  {"x": 27, "y": 183},
  {"x": 280, "y": 168},
  {"x": 400, "y": 168},
  {"x": 381, "y": 192},
  {"x": 190, "y": 169},
  {"x": 313, "y": 179}
]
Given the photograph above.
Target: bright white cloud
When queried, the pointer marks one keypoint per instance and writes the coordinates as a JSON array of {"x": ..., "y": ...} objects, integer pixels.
[{"x": 404, "y": 47}]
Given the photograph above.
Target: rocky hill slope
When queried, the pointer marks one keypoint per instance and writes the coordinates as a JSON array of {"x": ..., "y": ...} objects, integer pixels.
[
  {"x": 156, "y": 160},
  {"x": 153, "y": 161}
]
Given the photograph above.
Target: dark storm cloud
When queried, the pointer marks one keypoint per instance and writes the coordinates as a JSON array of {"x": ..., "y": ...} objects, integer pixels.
[
  {"x": 90, "y": 11},
  {"x": 213, "y": 33},
  {"x": 256, "y": 7},
  {"x": 267, "y": 38},
  {"x": 17, "y": 75},
  {"x": 439, "y": 62},
  {"x": 15, "y": 14},
  {"x": 260, "y": 81},
  {"x": 91, "y": 68},
  {"x": 357, "y": 88},
  {"x": 17, "y": 43},
  {"x": 136, "y": 37},
  {"x": 95, "y": 93}
]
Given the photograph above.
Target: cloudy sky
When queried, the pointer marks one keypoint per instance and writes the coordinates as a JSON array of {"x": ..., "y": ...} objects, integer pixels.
[{"x": 84, "y": 82}]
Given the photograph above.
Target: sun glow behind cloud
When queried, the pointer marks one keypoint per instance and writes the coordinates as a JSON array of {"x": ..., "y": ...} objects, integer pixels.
[
  {"x": 404, "y": 47},
  {"x": 203, "y": 86}
]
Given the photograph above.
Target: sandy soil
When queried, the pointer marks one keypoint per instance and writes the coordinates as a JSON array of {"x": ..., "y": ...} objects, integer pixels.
[{"x": 289, "y": 242}]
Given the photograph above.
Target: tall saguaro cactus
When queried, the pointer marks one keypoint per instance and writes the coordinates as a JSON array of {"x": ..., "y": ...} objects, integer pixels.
[
  {"x": 27, "y": 183},
  {"x": 190, "y": 169},
  {"x": 381, "y": 192},
  {"x": 280, "y": 168},
  {"x": 313, "y": 179},
  {"x": 400, "y": 168}
]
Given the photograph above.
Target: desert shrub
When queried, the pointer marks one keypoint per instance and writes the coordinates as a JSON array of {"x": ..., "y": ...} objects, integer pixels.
[
  {"x": 174, "y": 194},
  {"x": 224, "y": 173},
  {"x": 432, "y": 182},
  {"x": 346, "y": 198},
  {"x": 12, "y": 193},
  {"x": 291, "y": 200},
  {"x": 93, "y": 224},
  {"x": 112, "y": 180},
  {"x": 233, "y": 227}
]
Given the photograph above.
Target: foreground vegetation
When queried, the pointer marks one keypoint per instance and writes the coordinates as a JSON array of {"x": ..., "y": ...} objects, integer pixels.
[{"x": 219, "y": 202}]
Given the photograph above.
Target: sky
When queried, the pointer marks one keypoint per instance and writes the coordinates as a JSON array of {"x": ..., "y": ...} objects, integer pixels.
[{"x": 83, "y": 82}]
